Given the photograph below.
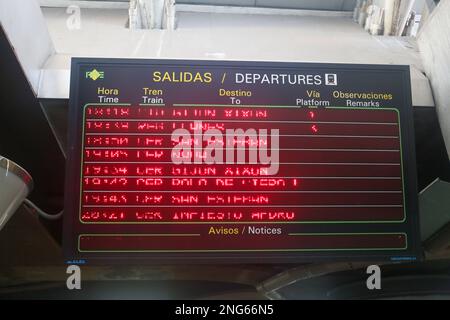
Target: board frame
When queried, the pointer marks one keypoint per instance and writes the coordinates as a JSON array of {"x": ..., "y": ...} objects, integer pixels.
[{"x": 413, "y": 253}]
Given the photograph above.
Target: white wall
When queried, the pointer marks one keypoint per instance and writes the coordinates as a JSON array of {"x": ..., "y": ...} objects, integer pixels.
[
  {"x": 434, "y": 44},
  {"x": 27, "y": 32}
]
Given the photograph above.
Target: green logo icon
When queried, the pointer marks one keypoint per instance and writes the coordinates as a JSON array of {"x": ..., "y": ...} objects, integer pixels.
[{"x": 95, "y": 74}]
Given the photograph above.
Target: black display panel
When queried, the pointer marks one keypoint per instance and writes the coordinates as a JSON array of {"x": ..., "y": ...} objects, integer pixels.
[{"x": 220, "y": 161}]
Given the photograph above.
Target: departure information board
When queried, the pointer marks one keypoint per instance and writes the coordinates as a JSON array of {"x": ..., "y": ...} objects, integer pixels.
[{"x": 221, "y": 161}]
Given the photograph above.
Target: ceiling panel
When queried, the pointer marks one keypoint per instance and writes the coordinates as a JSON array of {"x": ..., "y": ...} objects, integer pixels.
[{"x": 336, "y": 5}]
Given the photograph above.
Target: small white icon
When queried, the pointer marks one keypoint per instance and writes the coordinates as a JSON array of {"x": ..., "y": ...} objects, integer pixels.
[
  {"x": 374, "y": 280},
  {"x": 74, "y": 280},
  {"x": 73, "y": 22},
  {"x": 331, "y": 79}
]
